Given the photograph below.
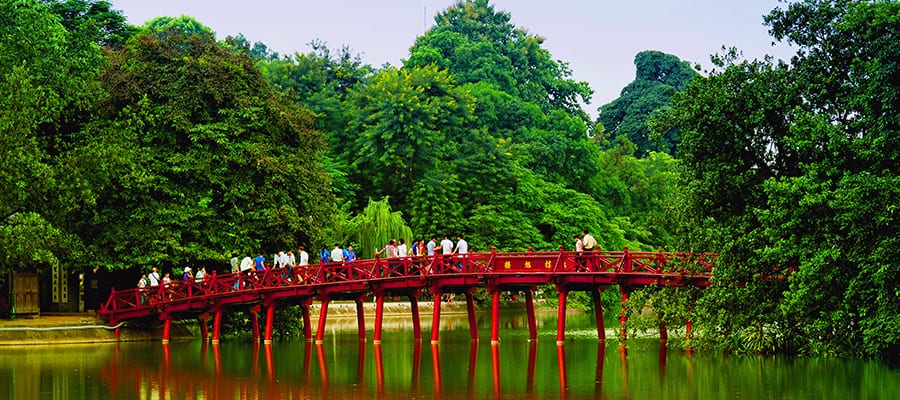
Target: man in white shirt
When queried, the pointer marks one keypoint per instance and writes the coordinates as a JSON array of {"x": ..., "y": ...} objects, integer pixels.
[
  {"x": 462, "y": 248},
  {"x": 446, "y": 252},
  {"x": 246, "y": 265},
  {"x": 446, "y": 246},
  {"x": 153, "y": 276},
  {"x": 431, "y": 245},
  {"x": 291, "y": 260},
  {"x": 337, "y": 253},
  {"x": 304, "y": 256},
  {"x": 401, "y": 248},
  {"x": 589, "y": 242}
]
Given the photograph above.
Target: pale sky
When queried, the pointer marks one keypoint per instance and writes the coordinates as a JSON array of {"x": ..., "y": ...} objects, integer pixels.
[{"x": 597, "y": 38}]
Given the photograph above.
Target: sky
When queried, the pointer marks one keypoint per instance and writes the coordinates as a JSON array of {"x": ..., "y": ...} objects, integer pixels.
[{"x": 597, "y": 38}]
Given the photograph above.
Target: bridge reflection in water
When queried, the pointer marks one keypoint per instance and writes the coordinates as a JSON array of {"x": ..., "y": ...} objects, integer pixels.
[{"x": 215, "y": 379}]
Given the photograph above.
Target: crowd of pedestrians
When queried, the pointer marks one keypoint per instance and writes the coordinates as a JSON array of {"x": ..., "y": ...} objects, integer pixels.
[{"x": 394, "y": 249}]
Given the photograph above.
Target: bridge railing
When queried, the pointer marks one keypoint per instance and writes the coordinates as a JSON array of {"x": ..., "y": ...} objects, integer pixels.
[{"x": 625, "y": 262}]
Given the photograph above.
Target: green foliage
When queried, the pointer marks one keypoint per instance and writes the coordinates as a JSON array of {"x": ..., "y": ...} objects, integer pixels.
[
  {"x": 475, "y": 43},
  {"x": 406, "y": 121},
  {"x": 204, "y": 158},
  {"x": 794, "y": 166},
  {"x": 45, "y": 84},
  {"x": 93, "y": 21},
  {"x": 659, "y": 76},
  {"x": 376, "y": 226}
]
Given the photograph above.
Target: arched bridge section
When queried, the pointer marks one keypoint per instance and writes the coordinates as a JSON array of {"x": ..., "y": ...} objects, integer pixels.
[{"x": 410, "y": 277}]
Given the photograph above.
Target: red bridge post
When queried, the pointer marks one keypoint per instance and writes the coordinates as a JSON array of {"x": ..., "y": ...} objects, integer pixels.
[
  {"x": 561, "y": 317},
  {"x": 470, "y": 310},
  {"x": 663, "y": 334},
  {"x": 323, "y": 313},
  {"x": 254, "y": 322},
  {"x": 167, "y": 329},
  {"x": 361, "y": 318},
  {"x": 217, "y": 326},
  {"x": 436, "y": 316},
  {"x": 270, "y": 322},
  {"x": 495, "y": 316},
  {"x": 623, "y": 319},
  {"x": 204, "y": 328},
  {"x": 598, "y": 314},
  {"x": 417, "y": 326},
  {"x": 532, "y": 322},
  {"x": 307, "y": 323},
  {"x": 379, "y": 316}
]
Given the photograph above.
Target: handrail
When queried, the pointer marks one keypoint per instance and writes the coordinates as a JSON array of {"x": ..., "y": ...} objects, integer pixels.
[{"x": 412, "y": 268}]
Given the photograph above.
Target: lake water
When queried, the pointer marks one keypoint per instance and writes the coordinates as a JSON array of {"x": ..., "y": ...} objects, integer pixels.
[{"x": 400, "y": 368}]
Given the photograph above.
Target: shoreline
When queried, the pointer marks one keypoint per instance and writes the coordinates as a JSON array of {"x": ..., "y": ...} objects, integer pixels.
[{"x": 87, "y": 328}]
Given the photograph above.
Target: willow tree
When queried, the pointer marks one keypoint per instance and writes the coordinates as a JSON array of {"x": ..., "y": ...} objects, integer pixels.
[{"x": 376, "y": 226}]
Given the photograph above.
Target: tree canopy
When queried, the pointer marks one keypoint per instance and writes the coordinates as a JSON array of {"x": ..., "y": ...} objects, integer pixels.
[
  {"x": 659, "y": 76},
  {"x": 791, "y": 168}
]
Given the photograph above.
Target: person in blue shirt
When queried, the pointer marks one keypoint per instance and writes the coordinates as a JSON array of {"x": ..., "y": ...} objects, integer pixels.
[
  {"x": 260, "y": 262},
  {"x": 324, "y": 255},
  {"x": 349, "y": 254}
]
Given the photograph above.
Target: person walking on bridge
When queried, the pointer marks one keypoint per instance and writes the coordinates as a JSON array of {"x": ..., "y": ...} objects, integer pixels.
[
  {"x": 589, "y": 242},
  {"x": 446, "y": 254},
  {"x": 431, "y": 245},
  {"x": 579, "y": 254},
  {"x": 337, "y": 253},
  {"x": 462, "y": 248}
]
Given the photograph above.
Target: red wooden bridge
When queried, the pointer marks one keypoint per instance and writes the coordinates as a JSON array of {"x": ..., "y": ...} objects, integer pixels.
[{"x": 410, "y": 277}]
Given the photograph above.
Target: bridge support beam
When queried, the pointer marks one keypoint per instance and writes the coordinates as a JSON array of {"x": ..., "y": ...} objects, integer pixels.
[
  {"x": 323, "y": 313},
  {"x": 663, "y": 334},
  {"x": 529, "y": 309},
  {"x": 473, "y": 322},
  {"x": 495, "y": 316},
  {"x": 561, "y": 317},
  {"x": 598, "y": 314},
  {"x": 689, "y": 335},
  {"x": 217, "y": 326},
  {"x": 436, "y": 316},
  {"x": 270, "y": 323},
  {"x": 204, "y": 327},
  {"x": 379, "y": 317},
  {"x": 417, "y": 326},
  {"x": 307, "y": 323},
  {"x": 254, "y": 322},
  {"x": 361, "y": 318},
  {"x": 167, "y": 329},
  {"x": 623, "y": 321}
]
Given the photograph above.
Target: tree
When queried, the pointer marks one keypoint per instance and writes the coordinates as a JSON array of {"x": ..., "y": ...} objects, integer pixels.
[
  {"x": 93, "y": 21},
  {"x": 407, "y": 120},
  {"x": 376, "y": 226},
  {"x": 475, "y": 43},
  {"x": 659, "y": 76},
  {"x": 202, "y": 156},
  {"x": 46, "y": 78},
  {"x": 791, "y": 168}
]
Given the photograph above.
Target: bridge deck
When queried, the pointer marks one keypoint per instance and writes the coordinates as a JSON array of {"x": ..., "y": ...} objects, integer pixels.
[{"x": 410, "y": 276}]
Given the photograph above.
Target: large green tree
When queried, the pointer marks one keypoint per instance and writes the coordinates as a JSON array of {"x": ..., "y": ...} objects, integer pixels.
[
  {"x": 793, "y": 168},
  {"x": 659, "y": 76},
  {"x": 47, "y": 79},
  {"x": 200, "y": 155}
]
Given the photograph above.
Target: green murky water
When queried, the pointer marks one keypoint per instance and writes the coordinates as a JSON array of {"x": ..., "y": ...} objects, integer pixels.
[{"x": 456, "y": 368}]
